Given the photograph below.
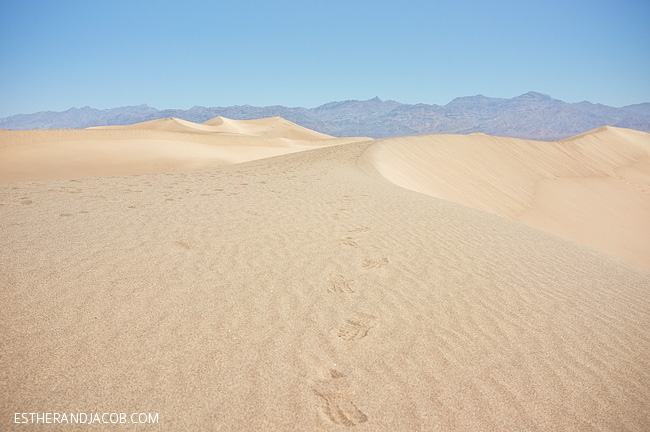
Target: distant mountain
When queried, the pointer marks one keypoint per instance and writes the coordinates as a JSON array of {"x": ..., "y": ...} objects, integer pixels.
[{"x": 531, "y": 115}]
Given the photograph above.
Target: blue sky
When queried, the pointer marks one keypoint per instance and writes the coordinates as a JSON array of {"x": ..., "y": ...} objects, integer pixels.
[{"x": 170, "y": 54}]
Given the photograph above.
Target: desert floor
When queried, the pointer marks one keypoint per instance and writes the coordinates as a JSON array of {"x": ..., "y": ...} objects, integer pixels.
[{"x": 255, "y": 275}]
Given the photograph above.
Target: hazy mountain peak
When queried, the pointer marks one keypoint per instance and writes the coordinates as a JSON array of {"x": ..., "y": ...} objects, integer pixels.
[{"x": 535, "y": 95}]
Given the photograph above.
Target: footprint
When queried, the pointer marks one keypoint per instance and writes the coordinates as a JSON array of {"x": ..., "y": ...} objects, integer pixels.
[
  {"x": 357, "y": 327},
  {"x": 341, "y": 212},
  {"x": 359, "y": 229},
  {"x": 26, "y": 202},
  {"x": 349, "y": 241},
  {"x": 182, "y": 244},
  {"x": 336, "y": 400},
  {"x": 338, "y": 284},
  {"x": 374, "y": 263}
]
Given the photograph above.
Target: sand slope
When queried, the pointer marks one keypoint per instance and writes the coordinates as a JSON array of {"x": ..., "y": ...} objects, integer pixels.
[
  {"x": 308, "y": 292},
  {"x": 593, "y": 188}
]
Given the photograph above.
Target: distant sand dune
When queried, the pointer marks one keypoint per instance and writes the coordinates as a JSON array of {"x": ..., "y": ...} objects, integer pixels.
[
  {"x": 154, "y": 146},
  {"x": 170, "y": 124},
  {"x": 308, "y": 292},
  {"x": 271, "y": 127}
]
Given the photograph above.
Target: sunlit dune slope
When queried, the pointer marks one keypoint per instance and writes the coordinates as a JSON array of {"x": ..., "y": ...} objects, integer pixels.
[{"x": 593, "y": 188}]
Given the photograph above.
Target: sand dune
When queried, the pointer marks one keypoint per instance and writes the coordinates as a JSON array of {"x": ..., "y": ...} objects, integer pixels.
[
  {"x": 593, "y": 188},
  {"x": 154, "y": 146},
  {"x": 309, "y": 292}
]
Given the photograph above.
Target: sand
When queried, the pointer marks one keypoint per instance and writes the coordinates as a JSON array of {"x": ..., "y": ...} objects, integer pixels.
[{"x": 311, "y": 291}]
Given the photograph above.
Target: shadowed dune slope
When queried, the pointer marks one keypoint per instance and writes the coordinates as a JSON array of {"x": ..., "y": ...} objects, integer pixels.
[
  {"x": 593, "y": 188},
  {"x": 306, "y": 292}
]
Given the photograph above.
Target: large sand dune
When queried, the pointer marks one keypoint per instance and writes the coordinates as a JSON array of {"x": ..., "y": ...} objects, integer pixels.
[
  {"x": 311, "y": 291},
  {"x": 593, "y": 188}
]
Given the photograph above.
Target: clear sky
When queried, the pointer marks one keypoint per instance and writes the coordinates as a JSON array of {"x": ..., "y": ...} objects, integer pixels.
[{"x": 176, "y": 54}]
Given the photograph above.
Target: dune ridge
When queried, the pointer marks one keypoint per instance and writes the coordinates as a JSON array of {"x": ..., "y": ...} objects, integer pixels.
[{"x": 308, "y": 291}]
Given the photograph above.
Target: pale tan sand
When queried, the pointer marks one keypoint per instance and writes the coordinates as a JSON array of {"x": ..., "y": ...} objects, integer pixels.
[
  {"x": 306, "y": 292},
  {"x": 593, "y": 188}
]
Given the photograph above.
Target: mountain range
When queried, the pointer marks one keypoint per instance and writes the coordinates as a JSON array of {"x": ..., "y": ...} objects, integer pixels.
[{"x": 531, "y": 115}]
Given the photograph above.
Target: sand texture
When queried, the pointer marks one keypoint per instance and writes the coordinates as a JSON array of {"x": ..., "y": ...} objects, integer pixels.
[{"x": 428, "y": 283}]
